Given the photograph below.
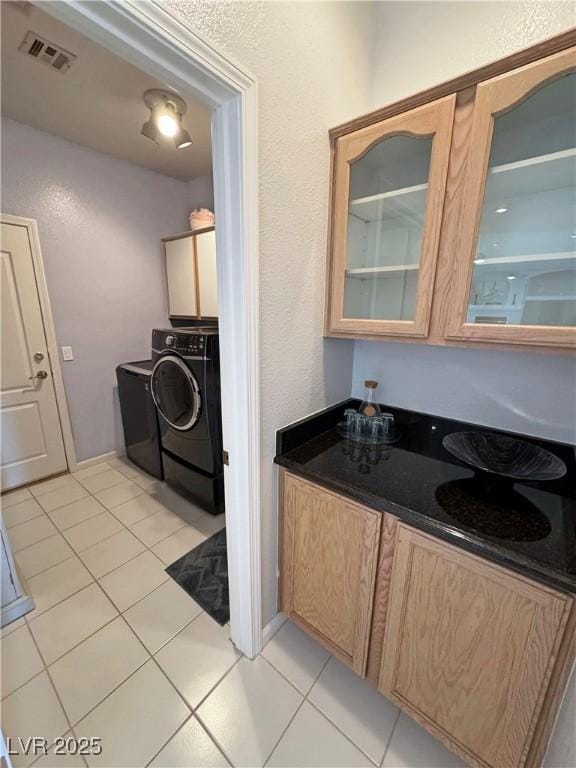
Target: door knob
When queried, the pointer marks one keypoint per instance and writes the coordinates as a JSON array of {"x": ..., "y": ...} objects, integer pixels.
[
  {"x": 39, "y": 375},
  {"x": 38, "y": 357}
]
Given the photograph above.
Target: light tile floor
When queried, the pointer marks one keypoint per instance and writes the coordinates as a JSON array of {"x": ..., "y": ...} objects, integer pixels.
[{"x": 116, "y": 649}]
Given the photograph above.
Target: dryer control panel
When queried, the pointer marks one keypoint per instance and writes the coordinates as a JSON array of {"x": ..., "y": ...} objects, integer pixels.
[{"x": 187, "y": 344}]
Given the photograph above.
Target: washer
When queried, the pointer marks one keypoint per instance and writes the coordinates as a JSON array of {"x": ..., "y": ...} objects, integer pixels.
[{"x": 185, "y": 386}]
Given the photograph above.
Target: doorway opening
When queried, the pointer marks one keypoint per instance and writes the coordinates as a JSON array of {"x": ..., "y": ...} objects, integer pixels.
[{"x": 150, "y": 39}]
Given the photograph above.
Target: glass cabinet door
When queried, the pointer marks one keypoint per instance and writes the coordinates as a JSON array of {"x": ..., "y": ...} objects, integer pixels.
[
  {"x": 388, "y": 197},
  {"x": 519, "y": 280}
]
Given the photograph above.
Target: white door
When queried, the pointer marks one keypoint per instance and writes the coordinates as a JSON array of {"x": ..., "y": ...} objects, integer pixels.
[
  {"x": 32, "y": 443},
  {"x": 206, "y": 255}
]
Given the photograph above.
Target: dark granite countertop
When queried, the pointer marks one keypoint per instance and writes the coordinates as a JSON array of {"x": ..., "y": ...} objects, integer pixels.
[{"x": 529, "y": 527}]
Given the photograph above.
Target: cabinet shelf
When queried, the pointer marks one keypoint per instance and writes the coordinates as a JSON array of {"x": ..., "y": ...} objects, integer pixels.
[
  {"x": 534, "y": 175},
  {"x": 499, "y": 263},
  {"x": 371, "y": 272},
  {"x": 408, "y": 201},
  {"x": 550, "y": 298},
  {"x": 504, "y": 181}
]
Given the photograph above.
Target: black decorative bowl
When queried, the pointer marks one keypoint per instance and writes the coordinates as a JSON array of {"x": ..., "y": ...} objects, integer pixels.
[{"x": 506, "y": 456}]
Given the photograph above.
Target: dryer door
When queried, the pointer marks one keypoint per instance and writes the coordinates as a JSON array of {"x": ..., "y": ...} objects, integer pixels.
[{"x": 176, "y": 393}]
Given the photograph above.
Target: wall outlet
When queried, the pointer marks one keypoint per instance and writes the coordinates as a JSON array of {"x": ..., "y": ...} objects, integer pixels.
[{"x": 67, "y": 353}]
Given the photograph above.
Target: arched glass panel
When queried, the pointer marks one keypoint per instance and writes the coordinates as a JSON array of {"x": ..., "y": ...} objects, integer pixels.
[
  {"x": 525, "y": 261},
  {"x": 388, "y": 191}
]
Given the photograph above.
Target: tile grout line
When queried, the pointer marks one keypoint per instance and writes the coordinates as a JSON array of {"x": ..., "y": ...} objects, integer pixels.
[
  {"x": 73, "y": 647},
  {"x": 304, "y": 698},
  {"x": 60, "y": 531},
  {"x": 216, "y": 684},
  {"x": 46, "y": 669},
  {"x": 31, "y": 620},
  {"x": 96, "y": 580},
  {"x": 346, "y": 736},
  {"x": 39, "y": 541},
  {"x": 134, "y": 671},
  {"x": 17, "y": 552},
  {"x": 321, "y": 712},
  {"x": 169, "y": 739},
  {"x": 61, "y": 476},
  {"x": 23, "y": 522},
  {"x": 69, "y": 557},
  {"x": 150, "y": 657},
  {"x": 390, "y": 737}
]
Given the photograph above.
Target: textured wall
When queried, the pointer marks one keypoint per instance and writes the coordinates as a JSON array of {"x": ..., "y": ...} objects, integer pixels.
[
  {"x": 519, "y": 391},
  {"x": 100, "y": 222},
  {"x": 201, "y": 193},
  {"x": 419, "y": 45},
  {"x": 312, "y": 65}
]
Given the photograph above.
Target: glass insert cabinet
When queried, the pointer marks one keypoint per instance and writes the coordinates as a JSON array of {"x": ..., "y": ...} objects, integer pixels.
[{"x": 455, "y": 221}]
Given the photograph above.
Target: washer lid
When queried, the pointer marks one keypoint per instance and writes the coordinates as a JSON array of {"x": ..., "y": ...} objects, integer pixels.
[{"x": 176, "y": 393}]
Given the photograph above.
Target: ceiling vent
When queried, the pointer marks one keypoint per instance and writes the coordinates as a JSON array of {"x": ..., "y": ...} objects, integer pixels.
[{"x": 47, "y": 53}]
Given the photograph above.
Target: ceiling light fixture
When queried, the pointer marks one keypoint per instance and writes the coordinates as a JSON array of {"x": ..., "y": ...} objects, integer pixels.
[
  {"x": 501, "y": 210},
  {"x": 165, "y": 120},
  {"x": 510, "y": 277}
]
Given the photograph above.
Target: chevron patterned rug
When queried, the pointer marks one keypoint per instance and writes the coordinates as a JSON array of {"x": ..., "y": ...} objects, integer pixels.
[{"x": 203, "y": 574}]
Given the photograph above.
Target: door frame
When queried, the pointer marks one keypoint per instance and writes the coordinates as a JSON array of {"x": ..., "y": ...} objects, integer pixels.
[
  {"x": 147, "y": 35},
  {"x": 31, "y": 228}
]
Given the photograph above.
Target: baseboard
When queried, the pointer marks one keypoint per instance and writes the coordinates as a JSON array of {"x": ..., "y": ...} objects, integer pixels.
[
  {"x": 86, "y": 463},
  {"x": 16, "y": 609},
  {"x": 272, "y": 627}
]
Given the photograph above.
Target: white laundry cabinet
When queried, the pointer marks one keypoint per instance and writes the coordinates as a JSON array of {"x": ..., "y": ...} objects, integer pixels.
[{"x": 191, "y": 274}]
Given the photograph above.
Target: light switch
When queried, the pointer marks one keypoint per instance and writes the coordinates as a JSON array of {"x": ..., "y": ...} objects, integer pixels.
[{"x": 67, "y": 353}]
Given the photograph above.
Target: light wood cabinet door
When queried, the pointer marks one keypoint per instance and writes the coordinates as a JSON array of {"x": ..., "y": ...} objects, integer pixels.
[
  {"x": 470, "y": 650},
  {"x": 388, "y": 195},
  {"x": 513, "y": 274},
  {"x": 329, "y": 553}
]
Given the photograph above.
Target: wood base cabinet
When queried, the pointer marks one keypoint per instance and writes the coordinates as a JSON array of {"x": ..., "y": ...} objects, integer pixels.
[
  {"x": 474, "y": 652},
  {"x": 470, "y": 649},
  {"x": 329, "y": 556}
]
